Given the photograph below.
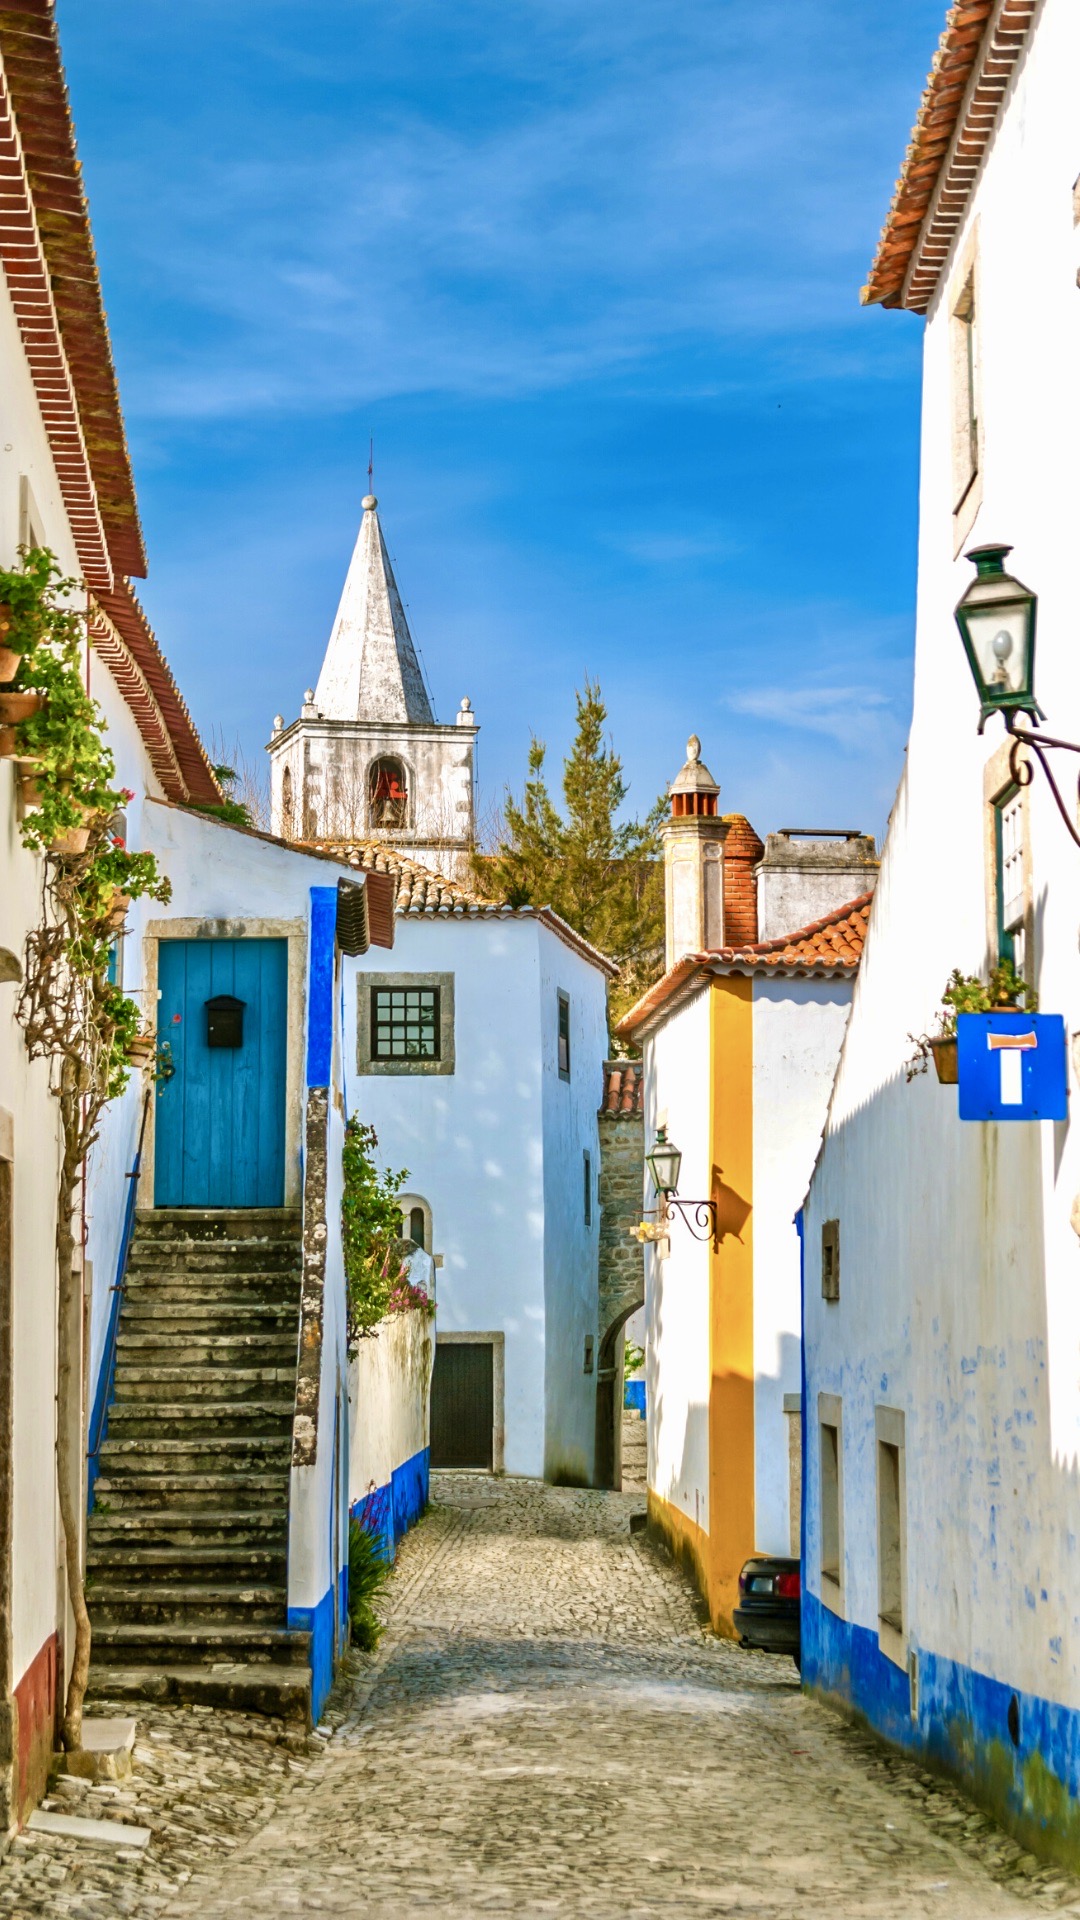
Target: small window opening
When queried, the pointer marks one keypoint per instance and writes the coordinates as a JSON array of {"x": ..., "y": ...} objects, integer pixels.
[
  {"x": 830, "y": 1501},
  {"x": 589, "y": 1344},
  {"x": 890, "y": 1558},
  {"x": 286, "y": 805},
  {"x": 965, "y": 392},
  {"x": 564, "y": 1036},
  {"x": 588, "y": 1188},
  {"x": 830, "y": 1260},
  {"x": 388, "y": 797},
  {"x": 405, "y": 1023}
]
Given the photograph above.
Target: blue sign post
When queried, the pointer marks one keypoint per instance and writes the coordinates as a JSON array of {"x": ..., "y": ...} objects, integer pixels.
[{"x": 1012, "y": 1066}]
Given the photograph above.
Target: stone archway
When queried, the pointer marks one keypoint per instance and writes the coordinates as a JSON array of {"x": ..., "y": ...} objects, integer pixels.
[
  {"x": 609, "y": 1397},
  {"x": 622, "y": 1258}
]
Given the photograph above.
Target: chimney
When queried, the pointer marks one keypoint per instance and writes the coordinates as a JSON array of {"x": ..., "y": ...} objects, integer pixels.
[
  {"x": 693, "y": 862},
  {"x": 808, "y": 872},
  {"x": 742, "y": 851}
]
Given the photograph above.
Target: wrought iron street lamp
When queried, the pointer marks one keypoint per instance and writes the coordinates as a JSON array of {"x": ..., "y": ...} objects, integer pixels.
[
  {"x": 996, "y": 618},
  {"x": 664, "y": 1164}
]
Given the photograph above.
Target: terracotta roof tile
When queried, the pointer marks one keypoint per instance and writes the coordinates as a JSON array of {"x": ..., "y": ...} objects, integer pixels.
[
  {"x": 835, "y": 940},
  {"x": 424, "y": 892},
  {"x": 954, "y": 127},
  {"x": 827, "y": 947},
  {"x": 624, "y": 1087}
]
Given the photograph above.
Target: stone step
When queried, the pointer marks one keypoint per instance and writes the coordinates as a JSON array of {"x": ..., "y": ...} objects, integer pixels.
[
  {"x": 133, "y": 1643},
  {"x": 198, "y": 1419},
  {"x": 244, "y": 1527},
  {"x": 284, "y": 1692},
  {"x": 240, "y": 1453},
  {"x": 213, "y": 1260},
  {"x": 217, "y": 1223},
  {"x": 121, "y": 1557},
  {"x": 190, "y": 1492},
  {"x": 143, "y": 1313},
  {"x": 215, "y": 1350},
  {"x": 208, "y": 1293},
  {"x": 187, "y": 1602},
  {"x": 180, "y": 1385}
]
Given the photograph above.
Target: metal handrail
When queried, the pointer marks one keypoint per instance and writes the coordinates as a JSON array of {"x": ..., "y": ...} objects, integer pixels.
[{"x": 107, "y": 1375}]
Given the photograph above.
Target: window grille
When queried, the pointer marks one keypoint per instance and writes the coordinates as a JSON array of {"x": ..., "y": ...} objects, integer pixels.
[{"x": 405, "y": 1023}]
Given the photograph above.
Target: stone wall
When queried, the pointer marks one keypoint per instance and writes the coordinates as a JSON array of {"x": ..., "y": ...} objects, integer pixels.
[{"x": 622, "y": 1260}]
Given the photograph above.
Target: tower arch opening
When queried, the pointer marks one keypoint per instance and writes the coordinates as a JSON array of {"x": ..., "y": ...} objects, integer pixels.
[{"x": 388, "y": 794}]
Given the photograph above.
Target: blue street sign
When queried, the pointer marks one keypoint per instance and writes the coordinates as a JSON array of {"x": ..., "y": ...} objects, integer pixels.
[{"x": 1012, "y": 1066}]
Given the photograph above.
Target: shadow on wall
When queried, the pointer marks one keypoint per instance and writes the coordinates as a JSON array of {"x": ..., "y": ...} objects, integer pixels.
[{"x": 976, "y": 1405}]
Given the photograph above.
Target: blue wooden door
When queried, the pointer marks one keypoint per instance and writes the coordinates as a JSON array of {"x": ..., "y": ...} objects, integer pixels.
[{"x": 220, "y": 1123}]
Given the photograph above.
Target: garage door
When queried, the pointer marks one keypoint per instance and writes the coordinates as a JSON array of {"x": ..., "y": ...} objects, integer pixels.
[{"x": 463, "y": 1404}]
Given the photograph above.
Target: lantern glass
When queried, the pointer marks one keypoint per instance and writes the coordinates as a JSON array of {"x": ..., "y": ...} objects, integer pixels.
[
  {"x": 996, "y": 618},
  {"x": 664, "y": 1163}
]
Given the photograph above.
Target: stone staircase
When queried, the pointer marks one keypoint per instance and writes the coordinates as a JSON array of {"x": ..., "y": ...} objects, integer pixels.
[{"x": 186, "y": 1554}]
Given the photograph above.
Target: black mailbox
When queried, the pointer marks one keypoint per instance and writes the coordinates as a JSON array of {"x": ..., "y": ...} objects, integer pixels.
[{"x": 225, "y": 1021}]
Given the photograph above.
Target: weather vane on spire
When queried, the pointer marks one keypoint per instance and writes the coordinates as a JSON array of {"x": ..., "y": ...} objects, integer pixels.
[{"x": 371, "y": 464}]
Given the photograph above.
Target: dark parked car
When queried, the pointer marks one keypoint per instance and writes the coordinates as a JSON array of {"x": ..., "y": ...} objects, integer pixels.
[{"x": 768, "y": 1611}]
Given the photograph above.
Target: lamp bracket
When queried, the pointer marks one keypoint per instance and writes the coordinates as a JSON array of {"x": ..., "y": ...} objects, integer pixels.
[
  {"x": 1023, "y": 772},
  {"x": 699, "y": 1216}
]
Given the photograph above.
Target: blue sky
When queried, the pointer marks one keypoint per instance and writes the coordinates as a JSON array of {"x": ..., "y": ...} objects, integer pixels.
[{"x": 589, "y": 274}]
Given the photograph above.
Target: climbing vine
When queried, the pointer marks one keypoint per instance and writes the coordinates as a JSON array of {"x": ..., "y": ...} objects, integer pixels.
[
  {"x": 375, "y": 1277},
  {"x": 72, "y": 1015}
]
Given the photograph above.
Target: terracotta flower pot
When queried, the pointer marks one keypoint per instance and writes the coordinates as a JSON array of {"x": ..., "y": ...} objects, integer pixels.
[
  {"x": 9, "y": 746},
  {"x": 9, "y": 662},
  {"x": 117, "y": 913},
  {"x": 19, "y": 706},
  {"x": 73, "y": 840},
  {"x": 946, "y": 1064},
  {"x": 141, "y": 1050},
  {"x": 29, "y": 790}
]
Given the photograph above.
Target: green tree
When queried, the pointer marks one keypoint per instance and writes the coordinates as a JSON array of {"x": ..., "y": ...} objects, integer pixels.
[{"x": 603, "y": 874}]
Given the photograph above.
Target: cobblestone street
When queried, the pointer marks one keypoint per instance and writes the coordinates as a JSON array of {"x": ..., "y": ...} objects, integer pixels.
[{"x": 545, "y": 1730}]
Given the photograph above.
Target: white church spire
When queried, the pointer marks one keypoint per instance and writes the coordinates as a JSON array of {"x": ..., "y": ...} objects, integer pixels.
[{"x": 371, "y": 671}]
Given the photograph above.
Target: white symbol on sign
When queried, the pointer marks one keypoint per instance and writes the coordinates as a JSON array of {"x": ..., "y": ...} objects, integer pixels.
[{"x": 1011, "y": 1046}]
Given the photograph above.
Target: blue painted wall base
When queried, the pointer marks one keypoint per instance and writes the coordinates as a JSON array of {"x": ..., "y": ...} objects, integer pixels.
[
  {"x": 1020, "y": 1761},
  {"x": 389, "y": 1511}
]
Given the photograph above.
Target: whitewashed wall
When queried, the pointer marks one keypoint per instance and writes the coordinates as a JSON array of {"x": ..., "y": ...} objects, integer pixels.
[
  {"x": 960, "y": 1304},
  {"x": 798, "y": 1028},
  {"x": 571, "y": 1246},
  {"x": 505, "y": 1212},
  {"x": 389, "y": 1383},
  {"x": 678, "y": 1095}
]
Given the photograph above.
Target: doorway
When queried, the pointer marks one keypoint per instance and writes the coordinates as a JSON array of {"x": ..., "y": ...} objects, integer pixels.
[
  {"x": 463, "y": 1404},
  {"x": 220, "y": 1118}
]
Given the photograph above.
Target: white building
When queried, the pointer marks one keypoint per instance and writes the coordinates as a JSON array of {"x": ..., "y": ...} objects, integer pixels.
[
  {"x": 740, "y": 1041},
  {"x": 476, "y": 1054},
  {"x": 367, "y": 759},
  {"x": 238, "y": 899},
  {"x": 942, "y": 1309}
]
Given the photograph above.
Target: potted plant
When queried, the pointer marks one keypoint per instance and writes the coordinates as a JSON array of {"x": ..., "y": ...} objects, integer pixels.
[
  {"x": 18, "y": 704},
  {"x": 967, "y": 993},
  {"x": 141, "y": 1048}
]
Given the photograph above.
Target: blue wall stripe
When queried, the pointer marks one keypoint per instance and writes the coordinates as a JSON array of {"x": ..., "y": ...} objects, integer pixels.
[
  {"x": 321, "y": 985},
  {"x": 389, "y": 1511},
  {"x": 961, "y": 1726}
]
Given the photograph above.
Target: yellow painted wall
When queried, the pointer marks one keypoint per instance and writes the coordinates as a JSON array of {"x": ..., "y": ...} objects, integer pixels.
[
  {"x": 715, "y": 1557},
  {"x": 731, "y": 1396}
]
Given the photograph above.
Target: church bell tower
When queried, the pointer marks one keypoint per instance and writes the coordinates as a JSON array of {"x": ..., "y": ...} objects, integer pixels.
[{"x": 367, "y": 759}]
